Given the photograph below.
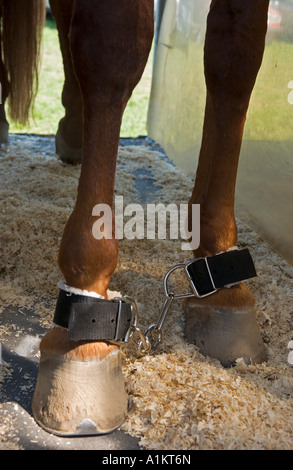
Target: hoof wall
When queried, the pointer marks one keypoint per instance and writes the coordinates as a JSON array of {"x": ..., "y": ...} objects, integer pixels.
[
  {"x": 66, "y": 153},
  {"x": 226, "y": 334},
  {"x": 80, "y": 398},
  {"x": 4, "y": 132}
]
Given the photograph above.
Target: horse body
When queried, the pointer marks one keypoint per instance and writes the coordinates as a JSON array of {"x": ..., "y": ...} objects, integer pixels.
[{"x": 105, "y": 46}]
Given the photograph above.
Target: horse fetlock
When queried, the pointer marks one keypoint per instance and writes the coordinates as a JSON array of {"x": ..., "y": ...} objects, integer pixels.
[
  {"x": 217, "y": 237},
  {"x": 86, "y": 263}
]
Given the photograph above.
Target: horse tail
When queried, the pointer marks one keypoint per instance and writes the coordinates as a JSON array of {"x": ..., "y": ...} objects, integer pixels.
[{"x": 22, "y": 27}]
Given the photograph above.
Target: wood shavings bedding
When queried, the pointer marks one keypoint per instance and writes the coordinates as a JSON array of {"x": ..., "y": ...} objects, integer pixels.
[
  {"x": 179, "y": 399},
  {"x": 7, "y": 442}
]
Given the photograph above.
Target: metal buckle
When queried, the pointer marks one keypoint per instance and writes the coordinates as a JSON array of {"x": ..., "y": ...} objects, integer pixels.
[
  {"x": 152, "y": 336},
  {"x": 191, "y": 280},
  {"x": 133, "y": 321},
  {"x": 166, "y": 289},
  {"x": 144, "y": 345},
  {"x": 118, "y": 319}
]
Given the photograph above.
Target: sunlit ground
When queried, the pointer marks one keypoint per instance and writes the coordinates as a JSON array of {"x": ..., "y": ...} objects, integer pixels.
[{"x": 48, "y": 109}]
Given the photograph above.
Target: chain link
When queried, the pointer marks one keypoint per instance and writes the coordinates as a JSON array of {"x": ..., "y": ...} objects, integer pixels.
[
  {"x": 144, "y": 345},
  {"x": 152, "y": 337},
  {"x": 153, "y": 334},
  {"x": 149, "y": 340}
]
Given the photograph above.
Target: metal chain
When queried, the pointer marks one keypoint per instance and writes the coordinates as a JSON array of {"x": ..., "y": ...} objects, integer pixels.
[
  {"x": 152, "y": 337},
  {"x": 153, "y": 334}
]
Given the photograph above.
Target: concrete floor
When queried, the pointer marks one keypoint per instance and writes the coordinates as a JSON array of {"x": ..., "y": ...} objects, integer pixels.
[{"x": 20, "y": 351}]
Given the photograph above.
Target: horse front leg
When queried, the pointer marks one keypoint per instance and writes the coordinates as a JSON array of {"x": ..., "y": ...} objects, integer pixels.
[
  {"x": 223, "y": 325},
  {"x": 4, "y": 125},
  {"x": 80, "y": 386},
  {"x": 4, "y": 91}
]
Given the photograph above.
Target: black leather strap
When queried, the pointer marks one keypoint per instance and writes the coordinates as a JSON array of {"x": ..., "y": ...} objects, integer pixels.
[
  {"x": 89, "y": 318},
  {"x": 209, "y": 274}
]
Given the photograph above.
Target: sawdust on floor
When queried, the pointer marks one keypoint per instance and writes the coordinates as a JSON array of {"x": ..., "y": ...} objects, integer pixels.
[{"x": 179, "y": 399}]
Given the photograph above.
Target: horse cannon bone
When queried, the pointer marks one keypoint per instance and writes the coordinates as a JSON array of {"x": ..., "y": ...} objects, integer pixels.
[{"x": 80, "y": 387}]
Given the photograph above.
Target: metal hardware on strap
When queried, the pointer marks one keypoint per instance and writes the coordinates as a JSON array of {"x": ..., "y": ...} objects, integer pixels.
[
  {"x": 195, "y": 291},
  {"x": 191, "y": 279},
  {"x": 133, "y": 322},
  {"x": 116, "y": 324},
  {"x": 153, "y": 334},
  {"x": 93, "y": 319},
  {"x": 166, "y": 288},
  {"x": 143, "y": 344},
  {"x": 206, "y": 276}
]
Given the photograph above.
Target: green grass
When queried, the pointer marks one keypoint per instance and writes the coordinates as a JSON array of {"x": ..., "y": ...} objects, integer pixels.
[
  {"x": 48, "y": 109},
  {"x": 269, "y": 114}
]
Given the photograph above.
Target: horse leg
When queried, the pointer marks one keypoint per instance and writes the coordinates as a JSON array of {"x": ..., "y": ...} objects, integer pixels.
[
  {"x": 69, "y": 134},
  {"x": 223, "y": 325},
  {"x": 110, "y": 42},
  {"x": 4, "y": 126}
]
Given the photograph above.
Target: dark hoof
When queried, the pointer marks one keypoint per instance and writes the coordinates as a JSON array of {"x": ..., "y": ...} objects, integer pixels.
[
  {"x": 4, "y": 128},
  {"x": 228, "y": 334},
  {"x": 66, "y": 153}
]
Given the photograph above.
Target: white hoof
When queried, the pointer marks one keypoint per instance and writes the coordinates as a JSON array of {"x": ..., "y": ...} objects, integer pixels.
[{"x": 75, "y": 397}]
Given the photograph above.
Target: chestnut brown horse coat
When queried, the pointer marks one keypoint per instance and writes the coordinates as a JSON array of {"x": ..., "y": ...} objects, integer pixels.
[{"x": 105, "y": 45}]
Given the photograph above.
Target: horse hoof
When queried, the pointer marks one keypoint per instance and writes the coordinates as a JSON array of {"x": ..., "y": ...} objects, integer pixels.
[
  {"x": 80, "y": 397},
  {"x": 66, "y": 153},
  {"x": 228, "y": 334},
  {"x": 4, "y": 129}
]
